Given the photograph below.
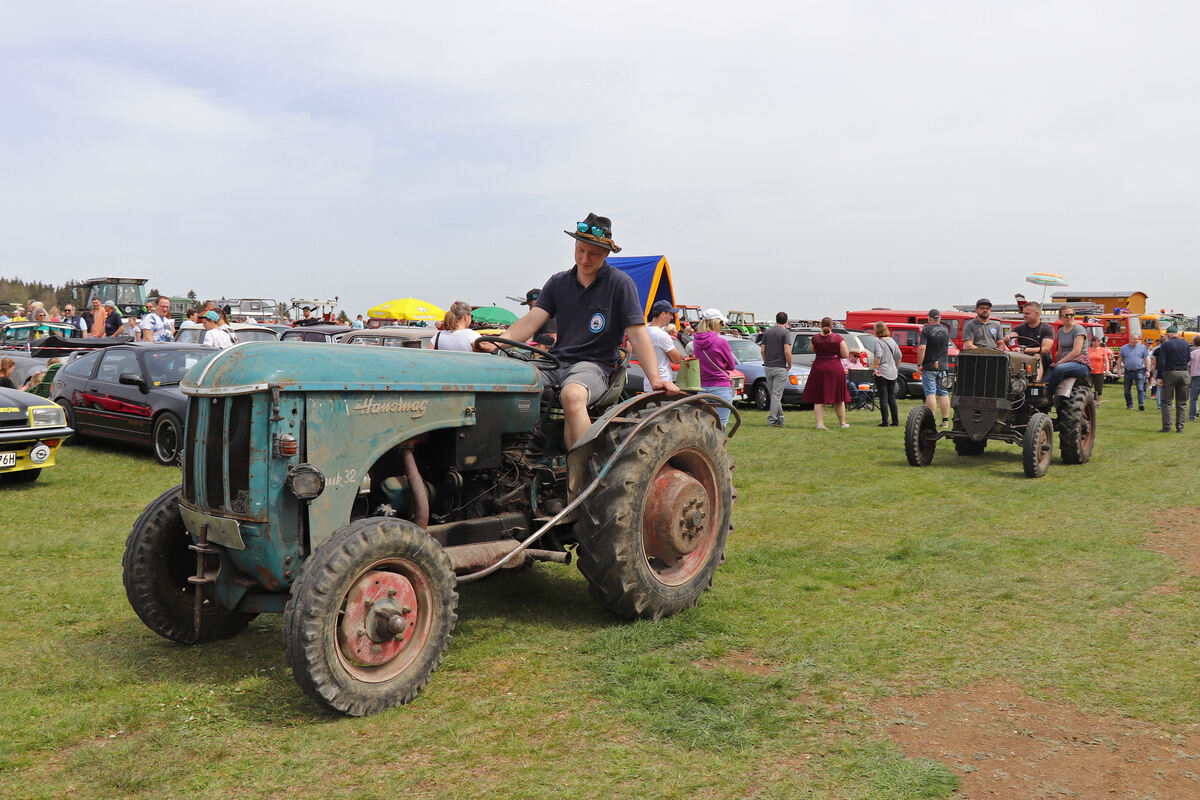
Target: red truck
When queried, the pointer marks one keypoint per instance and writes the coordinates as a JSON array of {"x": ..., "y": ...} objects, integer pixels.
[{"x": 865, "y": 320}]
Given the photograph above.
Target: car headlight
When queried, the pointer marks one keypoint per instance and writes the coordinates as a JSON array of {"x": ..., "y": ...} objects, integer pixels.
[{"x": 46, "y": 417}]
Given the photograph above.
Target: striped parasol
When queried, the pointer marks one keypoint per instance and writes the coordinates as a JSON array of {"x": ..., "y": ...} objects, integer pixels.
[{"x": 1045, "y": 279}]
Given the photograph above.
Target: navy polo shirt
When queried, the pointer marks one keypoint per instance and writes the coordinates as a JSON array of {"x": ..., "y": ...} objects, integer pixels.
[{"x": 592, "y": 319}]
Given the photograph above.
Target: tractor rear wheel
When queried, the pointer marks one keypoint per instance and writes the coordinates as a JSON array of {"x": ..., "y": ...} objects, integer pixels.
[
  {"x": 1037, "y": 443},
  {"x": 653, "y": 532},
  {"x": 970, "y": 447},
  {"x": 371, "y": 617},
  {"x": 1077, "y": 425},
  {"x": 155, "y": 571},
  {"x": 920, "y": 436}
]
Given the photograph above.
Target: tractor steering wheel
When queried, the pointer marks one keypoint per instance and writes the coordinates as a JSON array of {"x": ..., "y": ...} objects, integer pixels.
[{"x": 532, "y": 355}]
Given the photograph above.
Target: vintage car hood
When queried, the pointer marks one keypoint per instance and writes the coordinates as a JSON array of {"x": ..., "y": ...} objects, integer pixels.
[
  {"x": 15, "y": 404},
  {"x": 313, "y": 366}
]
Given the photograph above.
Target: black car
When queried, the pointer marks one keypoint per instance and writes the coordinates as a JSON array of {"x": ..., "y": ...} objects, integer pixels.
[{"x": 130, "y": 393}]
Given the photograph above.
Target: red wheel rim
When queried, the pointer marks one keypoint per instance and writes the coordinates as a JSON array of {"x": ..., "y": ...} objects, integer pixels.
[
  {"x": 683, "y": 495},
  {"x": 369, "y": 648}
]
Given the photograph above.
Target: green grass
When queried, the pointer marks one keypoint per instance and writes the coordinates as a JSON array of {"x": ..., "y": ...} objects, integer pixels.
[{"x": 851, "y": 577}]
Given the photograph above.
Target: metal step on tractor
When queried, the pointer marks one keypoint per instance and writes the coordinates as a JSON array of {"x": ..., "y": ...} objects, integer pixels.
[
  {"x": 352, "y": 489},
  {"x": 997, "y": 395}
]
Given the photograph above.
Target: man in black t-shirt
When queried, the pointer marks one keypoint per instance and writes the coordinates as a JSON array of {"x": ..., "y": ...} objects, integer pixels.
[
  {"x": 596, "y": 306},
  {"x": 933, "y": 354},
  {"x": 1034, "y": 337}
]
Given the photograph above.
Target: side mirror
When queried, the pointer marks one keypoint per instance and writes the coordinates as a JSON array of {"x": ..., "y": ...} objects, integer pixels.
[{"x": 132, "y": 379}]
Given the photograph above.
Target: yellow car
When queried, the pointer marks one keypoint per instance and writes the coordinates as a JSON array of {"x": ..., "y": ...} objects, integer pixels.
[{"x": 31, "y": 430}]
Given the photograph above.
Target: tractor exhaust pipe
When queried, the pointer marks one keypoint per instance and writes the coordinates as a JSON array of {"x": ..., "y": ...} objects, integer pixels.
[{"x": 416, "y": 485}]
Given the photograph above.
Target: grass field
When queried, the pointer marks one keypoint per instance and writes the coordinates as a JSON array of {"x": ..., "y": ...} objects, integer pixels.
[{"x": 851, "y": 578}]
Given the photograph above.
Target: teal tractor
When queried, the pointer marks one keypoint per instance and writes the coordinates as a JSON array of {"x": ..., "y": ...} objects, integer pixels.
[{"x": 353, "y": 488}]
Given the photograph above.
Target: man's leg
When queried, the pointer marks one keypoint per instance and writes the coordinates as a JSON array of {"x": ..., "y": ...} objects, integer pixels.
[
  {"x": 944, "y": 402},
  {"x": 1140, "y": 377},
  {"x": 1179, "y": 386},
  {"x": 1164, "y": 401},
  {"x": 1129, "y": 381},
  {"x": 574, "y": 397},
  {"x": 775, "y": 380}
]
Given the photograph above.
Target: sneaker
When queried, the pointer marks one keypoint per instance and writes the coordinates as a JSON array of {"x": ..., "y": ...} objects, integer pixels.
[
  {"x": 1179, "y": 429},
  {"x": 1129, "y": 408},
  {"x": 774, "y": 424},
  {"x": 894, "y": 423},
  {"x": 1141, "y": 408},
  {"x": 1164, "y": 430},
  {"x": 883, "y": 425}
]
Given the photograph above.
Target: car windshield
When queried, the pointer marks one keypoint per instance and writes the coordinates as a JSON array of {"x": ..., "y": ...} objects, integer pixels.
[
  {"x": 744, "y": 350},
  {"x": 245, "y": 335},
  {"x": 167, "y": 367}
]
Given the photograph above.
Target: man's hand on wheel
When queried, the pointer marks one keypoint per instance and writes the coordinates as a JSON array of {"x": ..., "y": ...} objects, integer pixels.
[{"x": 668, "y": 386}]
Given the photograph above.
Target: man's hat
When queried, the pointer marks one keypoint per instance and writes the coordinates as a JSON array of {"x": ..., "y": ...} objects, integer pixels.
[
  {"x": 595, "y": 230},
  {"x": 306, "y": 308},
  {"x": 983, "y": 301},
  {"x": 110, "y": 304},
  {"x": 1172, "y": 329},
  {"x": 661, "y": 307},
  {"x": 934, "y": 314},
  {"x": 531, "y": 296}
]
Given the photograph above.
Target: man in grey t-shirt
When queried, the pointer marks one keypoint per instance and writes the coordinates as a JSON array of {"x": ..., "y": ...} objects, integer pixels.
[
  {"x": 982, "y": 331},
  {"x": 777, "y": 360}
]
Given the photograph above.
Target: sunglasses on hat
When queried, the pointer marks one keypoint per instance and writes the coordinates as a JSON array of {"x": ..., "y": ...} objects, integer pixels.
[{"x": 594, "y": 230}]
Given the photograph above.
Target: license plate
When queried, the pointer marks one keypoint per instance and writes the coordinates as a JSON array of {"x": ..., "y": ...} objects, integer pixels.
[{"x": 8, "y": 460}]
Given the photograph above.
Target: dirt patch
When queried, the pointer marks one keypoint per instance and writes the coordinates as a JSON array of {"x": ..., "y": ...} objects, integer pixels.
[
  {"x": 746, "y": 661},
  {"x": 1006, "y": 744},
  {"x": 1177, "y": 534}
]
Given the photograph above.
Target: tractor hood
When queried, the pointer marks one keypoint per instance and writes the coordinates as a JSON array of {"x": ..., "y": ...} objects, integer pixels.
[{"x": 311, "y": 366}]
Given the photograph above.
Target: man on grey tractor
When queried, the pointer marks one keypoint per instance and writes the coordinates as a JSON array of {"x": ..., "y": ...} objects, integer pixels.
[{"x": 595, "y": 306}]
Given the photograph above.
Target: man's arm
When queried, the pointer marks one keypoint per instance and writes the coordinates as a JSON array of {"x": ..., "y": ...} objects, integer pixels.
[
  {"x": 645, "y": 356},
  {"x": 523, "y": 329},
  {"x": 787, "y": 351},
  {"x": 674, "y": 356}
]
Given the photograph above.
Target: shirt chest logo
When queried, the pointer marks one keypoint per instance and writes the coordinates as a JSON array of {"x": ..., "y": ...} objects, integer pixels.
[{"x": 597, "y": 323}]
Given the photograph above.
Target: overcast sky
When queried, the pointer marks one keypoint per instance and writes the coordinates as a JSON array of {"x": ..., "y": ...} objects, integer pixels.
[{"x": 805, "y": 156}]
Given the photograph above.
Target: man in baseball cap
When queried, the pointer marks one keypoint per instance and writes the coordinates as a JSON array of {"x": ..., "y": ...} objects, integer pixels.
[
  {"x": 662, "y": 314},
  {"x": 982, "y": 331}
]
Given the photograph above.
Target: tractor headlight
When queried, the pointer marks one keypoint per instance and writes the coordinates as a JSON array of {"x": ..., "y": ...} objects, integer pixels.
[
  {"x": 305, "y": 481},
  {"x": 47, "y": 417},
  {"x": 948, "y": 381}
]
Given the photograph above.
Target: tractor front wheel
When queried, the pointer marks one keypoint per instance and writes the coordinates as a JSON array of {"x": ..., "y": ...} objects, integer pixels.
[
  {"x": 653, "y": 532},
  {"x": 371, "y": 617},
  {"x": 920, "y": 436},
  {"x": 1036, "y": 445},
  {"x": 155, "y": 570}
]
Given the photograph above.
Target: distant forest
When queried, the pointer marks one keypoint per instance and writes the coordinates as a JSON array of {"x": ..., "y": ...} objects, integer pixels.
[{"x": 15, "y": 290}]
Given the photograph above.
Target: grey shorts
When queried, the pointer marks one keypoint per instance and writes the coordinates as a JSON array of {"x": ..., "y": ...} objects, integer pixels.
[{"x": 591, "y": 376}]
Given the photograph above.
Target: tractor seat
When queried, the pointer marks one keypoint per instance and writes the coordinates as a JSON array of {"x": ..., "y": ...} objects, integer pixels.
[{"x": 616, "y": 385}]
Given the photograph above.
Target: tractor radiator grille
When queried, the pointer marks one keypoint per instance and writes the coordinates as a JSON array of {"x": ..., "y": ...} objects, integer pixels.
[
  {"x": 982, "y": 376},
  {"x": 216, "y": 460}
]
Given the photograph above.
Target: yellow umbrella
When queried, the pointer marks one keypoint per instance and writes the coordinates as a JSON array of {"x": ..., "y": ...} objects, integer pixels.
[{"x": 409, "y": 308}]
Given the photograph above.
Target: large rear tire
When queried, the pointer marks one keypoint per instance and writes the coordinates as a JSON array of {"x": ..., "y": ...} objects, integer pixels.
[
  {"x": 371, "y": 616},
  {"x": 920, "y": 436},
  {"x": 1037, "y": 444},
  {"x": 1077, "y": 425},
  {"x": 155, "y": 571},
  {"x": 654, "y": 531}
]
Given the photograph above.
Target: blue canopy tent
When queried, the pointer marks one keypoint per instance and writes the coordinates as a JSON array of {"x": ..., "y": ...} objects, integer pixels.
[{"x": 651, "y": 274}]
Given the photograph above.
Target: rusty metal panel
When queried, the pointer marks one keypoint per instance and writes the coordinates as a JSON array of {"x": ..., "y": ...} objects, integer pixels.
[{"x": 347, "y": 432}]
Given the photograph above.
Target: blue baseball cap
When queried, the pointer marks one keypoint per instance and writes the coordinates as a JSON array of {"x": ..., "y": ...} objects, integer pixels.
[{"x": 661, "y": 307}]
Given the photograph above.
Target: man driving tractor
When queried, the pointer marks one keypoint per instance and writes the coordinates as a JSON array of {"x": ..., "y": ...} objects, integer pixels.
[{"x": 596, "y": 306}]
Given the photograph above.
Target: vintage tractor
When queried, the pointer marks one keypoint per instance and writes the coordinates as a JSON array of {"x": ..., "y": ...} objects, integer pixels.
[
  {"x": 996, "y": 395},
  {"x": 352, "y": 489}
]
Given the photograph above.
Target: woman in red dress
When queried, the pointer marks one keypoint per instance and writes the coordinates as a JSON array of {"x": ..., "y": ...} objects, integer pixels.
[{"x": 827, "y": 380}]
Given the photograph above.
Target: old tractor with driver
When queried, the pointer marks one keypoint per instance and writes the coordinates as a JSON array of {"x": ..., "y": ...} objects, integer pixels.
[
  {"x": 352, "y": 489},
  {"x": 996, "y": 395}
]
